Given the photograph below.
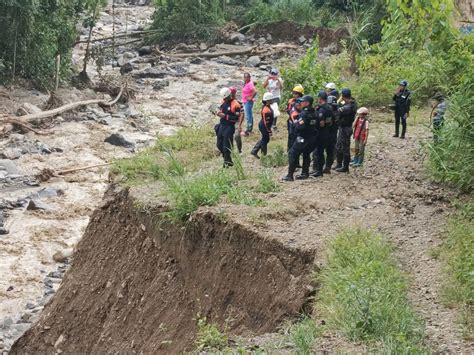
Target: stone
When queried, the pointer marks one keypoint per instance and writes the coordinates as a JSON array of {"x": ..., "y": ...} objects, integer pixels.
[
  {"x": 237, "y": 37},
  {"x": 226, "y": 60},
  {"x": 145, "y": 50},
  {"x": 55, "y": 275},
  {"x": 160, "y": 84},
  {"x": 196, "y": 60},
  {"x": 28, "y": 108},
  {"x": 3, "y": 231},
  {"x": 253, "y": 61},
  {"x": 125, "y": 58},
  {"x": 9, "y": 167},
  {"x": 152, "y": 73},
  {"x": 203, "y": 46},
  {"x": 302, "y": 39},
  {"x": 118, "y": 140},
  {"x": 6, "y": 323},
  {"x": 126, "y": 68},
  {"x": 30, "y": 305},
  {"x": 185, "y": 48},
  {"x": 261, "y": 41},
  {"x": 46, "y": 192},
  {"x": 35, "y": 205},
  {"x": 62, "y": 255},
  {"x": 11, "y": 153}
]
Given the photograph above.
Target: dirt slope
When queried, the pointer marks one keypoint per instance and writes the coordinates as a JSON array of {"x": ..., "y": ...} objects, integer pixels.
[{"x": 137, "y": 285}]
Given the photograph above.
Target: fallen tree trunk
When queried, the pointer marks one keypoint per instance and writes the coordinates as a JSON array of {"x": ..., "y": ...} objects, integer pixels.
[
  {"x": 210, "y": 55},
  {"x": 64, "y": 172}
]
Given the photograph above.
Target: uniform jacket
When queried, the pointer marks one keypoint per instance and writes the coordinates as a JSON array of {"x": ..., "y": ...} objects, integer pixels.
[
  {"x": 267, "y": 118},
  {"x": 231, "y": 110},
  {"x": 307, "y": 125},
  {"x": 347, "y": 112},
  {"x": 402, "y": 101}
]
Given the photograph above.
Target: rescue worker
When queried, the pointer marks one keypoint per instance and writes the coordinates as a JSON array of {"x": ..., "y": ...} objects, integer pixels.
[
  {"x": 402, "y": 101},
  {"x": 238, "y": 131},
  {"x": 265, "y": 125},
  {"x": 229, "y": 114},
  {"x": 332, "y": 102},
  {"x": 306, "y": 136},
  {"x": 298, "y": 91},
  {"x": 274, "y": 84},
  {"x": 347, "y": 112},
  {"x": 440, "y": 106},
  {"x": 329, "y": 87},
  {"x": 324, "y": 144}
]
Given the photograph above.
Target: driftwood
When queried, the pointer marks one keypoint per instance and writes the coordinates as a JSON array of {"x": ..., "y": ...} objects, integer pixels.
[
  {"x": 64, "y": 108},
  {"x": 46, "y": 174},
  {"x": 64, "y": 172},
  {"x": 210, "y": 55},
  {"x": 14, "y": 121}
]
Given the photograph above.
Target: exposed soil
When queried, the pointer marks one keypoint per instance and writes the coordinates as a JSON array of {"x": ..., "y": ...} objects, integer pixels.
[{"x": 137, "y": 284}]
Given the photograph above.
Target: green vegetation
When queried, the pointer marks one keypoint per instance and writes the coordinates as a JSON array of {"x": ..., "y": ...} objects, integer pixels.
[
  {"x": 364, "y": 295},
  {"x": 458, "y": 257},
  {"x": 302, "y": 336},
  {"x": 276, "y": 158},
  {"x": 209, "y": 337}
]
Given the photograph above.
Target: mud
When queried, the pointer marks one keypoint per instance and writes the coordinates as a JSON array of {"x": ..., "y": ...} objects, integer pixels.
[{"x": 138, "y": 284}]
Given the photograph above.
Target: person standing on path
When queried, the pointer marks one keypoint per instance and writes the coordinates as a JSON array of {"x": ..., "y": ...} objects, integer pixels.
[
  {"x": 293, "y": 112},
  {"x": 229, "y": 114},
  {"x": 347, "y": 112},
  {"x": 306, "y": 137},
  {"x": 265, "y": 126},
  {"x": 440, "y": 107},
  {"x": 238, "y": 131},
  {"x": 402, "y": 101},
  {"x": 361, "y": 134},
  {"x": 248, "y": 96},
  {"x": 274, "y": 84},
  {"x": 332, "y": 102},
  {"x": 324, "y": 144}
]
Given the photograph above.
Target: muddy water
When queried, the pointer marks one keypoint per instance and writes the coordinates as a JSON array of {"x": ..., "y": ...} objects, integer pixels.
[{"x": 26, "y": 253}]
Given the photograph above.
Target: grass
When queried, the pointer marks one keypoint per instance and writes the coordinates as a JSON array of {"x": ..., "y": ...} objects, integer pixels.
[
  {"x": 302, "y": 336},
  {"x": 209, "y": 337},
  {"x": 457, "y": 253},
  {"x": 277, "y": 157},
  {"x": 364, "y": 295},
  {"x": 266, "y": 182}
]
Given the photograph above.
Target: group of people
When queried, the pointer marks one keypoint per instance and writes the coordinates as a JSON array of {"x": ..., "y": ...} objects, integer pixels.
[{"x": 319, "y": 128}]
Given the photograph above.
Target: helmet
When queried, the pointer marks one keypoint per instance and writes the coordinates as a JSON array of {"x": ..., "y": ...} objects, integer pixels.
[
  {"x": 331, "y": 86},
  {"x": 299, "y": 89},
  {"x": 233, "y": 90},
  {"x": 322, "y": 95},
  {"x": 334, "y": 93},
  {"x": 274, "y": 71},
  {"x": 363, "y": 111},
  {"x": 346, "y": 92},
  {"x": 404, "y": 83},
  {"x": 307, "y": 98},
  {"x": 225, "y": 93},
  {"x": 267, "y": 96}
]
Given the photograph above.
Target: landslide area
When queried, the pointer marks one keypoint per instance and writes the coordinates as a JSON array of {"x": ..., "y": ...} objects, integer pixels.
[{"x": 138, "y": 283}]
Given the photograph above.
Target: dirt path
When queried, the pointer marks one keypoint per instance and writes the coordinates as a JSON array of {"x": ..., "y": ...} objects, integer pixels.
[{"x": 390, "y": 194}]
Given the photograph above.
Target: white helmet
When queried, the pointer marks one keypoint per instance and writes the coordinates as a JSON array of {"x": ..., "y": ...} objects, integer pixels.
[
  {"x": 363, "y": 111},
  {"x": 331, "y": 86},
  {"x": 225, "y": 92},
  {"x": 267, "y": 96}
]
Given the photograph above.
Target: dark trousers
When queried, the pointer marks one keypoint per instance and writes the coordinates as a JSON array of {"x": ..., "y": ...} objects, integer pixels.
[
  {"x": 343, "y": 146},
  {"x": 298, "y": 149},
  {"x": 400, "y": 117},
  {"x": 238, "y": 140},
  {"x": 264, "y": 140},
  {"x": 225, "y": 142},
  {"x": 325, "y": 145},
  {"x": 291, "y": 136}
]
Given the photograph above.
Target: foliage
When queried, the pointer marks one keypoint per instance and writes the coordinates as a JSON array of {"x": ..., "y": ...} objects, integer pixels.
[
  {"x": 209, "y": 337},
  {"x": 267, "y": 182},
  {"x": 302, "y": 336},
  {"x": 364, "y": 295},
  {"x": 142, "y": 166},
  {"x": 458, "y": 257},
  {"x": 276, "y": 158}
]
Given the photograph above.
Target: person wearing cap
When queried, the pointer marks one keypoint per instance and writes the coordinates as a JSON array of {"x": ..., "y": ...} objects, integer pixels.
[
  {"x": 347, "y": 112},
  {"x": 229, "y": 114},
  {"x": 402, "y": 101},
  {"x": 440, "y": 106},
  {"x": 324, "y": 144},
  {"x": 274, "y": 84},
  {"x": 265, "y": 126},
  {"x": 238, "y": 131},
  {"x": 332, "y": 101},
  {"x": 361, "y": 134},
  {"x": 298, "y": 92},
  {"x": 248, "y": 97},
  {"x": 306, "y": 135}
]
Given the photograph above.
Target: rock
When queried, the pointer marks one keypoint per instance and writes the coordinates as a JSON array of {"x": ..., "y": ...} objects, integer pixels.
[
  {"x": 11, "y": 153},
  {"x": 302, "y": 39},
  {"x": 160, "y": 84},
  {"x": 34, "y": 205},
  {"x": 237, "y": 37},
  {"x": 55, "y": 275},
  {"x": 261, "y": 41},
  {"x": 196, "y": 60},
  {"x": 118, "y": 140},
  {"x": 153, "y": 73},
  {"x": 253, "y": 61},
  {"x": 28, "y": 108},
  {"x": 3, "y": 231},
  {"x": 202, "y": 46},
  {"x": 6, "y": 323},
  {"x": 62, "y": 255},
  {"x": 9, "y": 167},
  {"x": 126, "y": 68},
  {"x": 125, "y": 58},
  {"x": 145, "y": 50},
  {"x": 59, "y": 341},
  {"x": 226, "y": 60},
  {"x": 47, "y": 192}
]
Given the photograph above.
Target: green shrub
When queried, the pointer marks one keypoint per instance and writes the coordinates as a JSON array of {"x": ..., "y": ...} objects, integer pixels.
[
  {"x": 302, "y": 336},
  {"x": 209, "y": 337},
  {"x": 266, "y": 182},
  {"x": 364, "y": 295},
  {"x": 141, "y": 167},
  {"x": 276, "y": 158}
]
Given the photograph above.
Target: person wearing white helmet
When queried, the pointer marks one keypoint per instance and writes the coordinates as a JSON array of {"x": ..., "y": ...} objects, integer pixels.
[
  {"x": 265, "y": 125},
  {"x": 329, "y": 87},
  {"x": 229, "y": 115},
  {"x": 361, "y": 134}
]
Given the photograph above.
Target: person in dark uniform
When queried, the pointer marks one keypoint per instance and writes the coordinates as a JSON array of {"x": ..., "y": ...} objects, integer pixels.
[
  {"x": 402, "y": 99},
  {"x": 298, "y": 92},
  {"x": 306, "y": 136},
  {"x": 332, "y": 102},
  {"x": 324, "y": 144},
  {"x": 347, "y": 112},
  {"x": 265, "y": 125},
  {"x": 229, "y": 114}
]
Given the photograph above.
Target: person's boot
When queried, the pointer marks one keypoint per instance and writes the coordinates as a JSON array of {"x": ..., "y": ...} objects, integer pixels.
[
  {"x": 254, "y": 152},
  {"x": 404, "y": 130},
  {"x": 304, "y": 171},
  {"x": 357, "y": 163},
  {"x": 345, "y": 165},
  {"x": 264, "y": 151},
  {"x": 316, "y": 173},
  {"x": 327, "y": 170},
  {"x": 360, "y": 162},
  {"x": 353, "y": 161},
  {"x": 339, "y": 158},
  {"x": 291, "y": 172}
]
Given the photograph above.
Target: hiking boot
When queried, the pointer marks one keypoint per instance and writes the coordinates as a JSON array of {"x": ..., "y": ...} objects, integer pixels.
[
  {"x": 254, "y": 153},
  {"x": 287, "y": 178},
  {"x": 402, "y": 136},
  {"x": 395, "y": 135},
  {"x": 316, "y": 173},
  {"x": 342, "y": 170},
  {"x": 302, "y": 177},
  {"x": 327, "y": 170}
]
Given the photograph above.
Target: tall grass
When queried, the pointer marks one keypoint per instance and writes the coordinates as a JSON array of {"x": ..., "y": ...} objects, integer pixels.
[
  {"x": 364, "y": 295},
  {"x": 302, "y": 336},
  {"x": 457, "y": 253}
]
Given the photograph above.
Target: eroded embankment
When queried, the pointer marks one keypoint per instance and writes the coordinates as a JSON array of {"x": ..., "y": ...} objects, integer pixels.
[{"x": 137, "y": 283}]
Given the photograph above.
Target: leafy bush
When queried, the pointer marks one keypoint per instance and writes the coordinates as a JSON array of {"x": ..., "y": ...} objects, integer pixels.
[
  {"x": 209, "y": 337},
  {"x": 302, "y": 336},
  {"x": 364, "y": 295},
  {"x": 276, "y": 158}
]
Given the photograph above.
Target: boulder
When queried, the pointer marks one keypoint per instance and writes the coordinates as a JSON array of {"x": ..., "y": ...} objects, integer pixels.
[
  {"x": 237, "y": 37},
  {"x": 125, "y": 58},
  {"x": 118, "y": 140},
  {"x": 153, "y": 73},
  {"x": 11, "y": 153},
  {"x": 126, "y": 68},
  {"x": 62, "y": 255},
  {"x": 145, "y": 50},
  {"x": 253, "y": 61},
  {"x": 160, "y": 84},
  {"x": 226, "y": 60},
  {"x": 35, "y": 205}
]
